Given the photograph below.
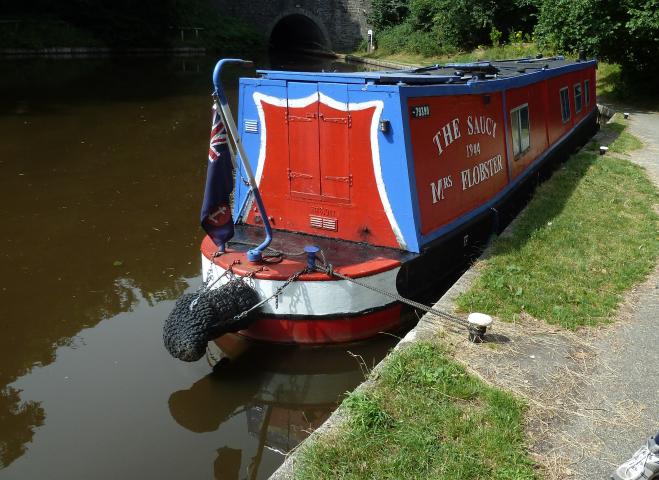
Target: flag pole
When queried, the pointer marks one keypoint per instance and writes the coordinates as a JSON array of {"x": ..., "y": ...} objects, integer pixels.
[
  {"x": 232, "y": 148},
  {"x": 256, "y": 254}
]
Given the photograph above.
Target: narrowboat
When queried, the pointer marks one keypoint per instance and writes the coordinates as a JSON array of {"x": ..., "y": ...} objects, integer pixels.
[{"x": 364, "y": 184}]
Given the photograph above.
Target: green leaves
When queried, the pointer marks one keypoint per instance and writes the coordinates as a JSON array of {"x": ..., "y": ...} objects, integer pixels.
[
  {"x": 624, "y": 32},
  {"x": 388, "y": 13},
  {"x": 435, "y": 27}
]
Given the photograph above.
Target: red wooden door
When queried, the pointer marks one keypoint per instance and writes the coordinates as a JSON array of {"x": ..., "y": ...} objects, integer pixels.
[
  {"x": 334, "y": 123},
  {"x": 303, "y": 141}
]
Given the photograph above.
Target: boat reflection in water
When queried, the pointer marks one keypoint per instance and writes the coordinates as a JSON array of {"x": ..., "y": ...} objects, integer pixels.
[{"x": 281, "y": 393}]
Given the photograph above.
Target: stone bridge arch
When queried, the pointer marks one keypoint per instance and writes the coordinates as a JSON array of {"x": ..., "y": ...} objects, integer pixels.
[
  {"x": 342, "y": 23},
  {"x": 299, "y": 27}
]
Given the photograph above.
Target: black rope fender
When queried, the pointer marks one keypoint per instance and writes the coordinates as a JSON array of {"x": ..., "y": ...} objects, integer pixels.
[{"x": 209, "y": 313}]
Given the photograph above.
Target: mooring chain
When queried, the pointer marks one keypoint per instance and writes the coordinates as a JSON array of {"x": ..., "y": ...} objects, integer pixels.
[
  {"x": 253, "y": 273},
  {"x": 209, "y": 273},
  {"x": 209, "y": 284},
  {"x": 206, "y": 286},
  {"x": 275, "y": 295},
  {"x": 329, "y": 270}
]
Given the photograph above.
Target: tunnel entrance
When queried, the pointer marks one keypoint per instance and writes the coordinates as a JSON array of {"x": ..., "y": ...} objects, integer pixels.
[{"x": 298, "y": 32}]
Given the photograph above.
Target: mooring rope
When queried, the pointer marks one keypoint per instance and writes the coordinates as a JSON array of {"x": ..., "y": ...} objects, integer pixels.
[{"x": 329, "y": 270}]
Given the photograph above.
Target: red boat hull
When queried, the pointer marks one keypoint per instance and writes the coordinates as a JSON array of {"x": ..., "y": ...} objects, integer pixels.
[{"x": 325, "y": 330}]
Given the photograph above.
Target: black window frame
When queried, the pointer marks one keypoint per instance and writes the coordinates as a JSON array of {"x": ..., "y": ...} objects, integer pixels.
[
  {"x": 578, "y": 107},
  {"x": 563, "y": 104},
  {"x": 518, "y": 151},
  {"x": 586, "y": 91}
]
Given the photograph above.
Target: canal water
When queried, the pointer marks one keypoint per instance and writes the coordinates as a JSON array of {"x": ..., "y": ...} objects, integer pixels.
[{"x": 102, "y": 165}]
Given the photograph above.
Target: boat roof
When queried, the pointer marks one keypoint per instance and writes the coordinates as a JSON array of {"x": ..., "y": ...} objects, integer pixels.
[{"x": 449, "y": 73}]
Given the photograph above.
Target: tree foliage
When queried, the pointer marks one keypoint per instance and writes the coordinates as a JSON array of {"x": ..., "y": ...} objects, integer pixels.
[
  {"x": 625, "y": 32},
  {"x": 643, "y": 27},
  {"x": 622, "y": 31},
  {"x": 436, "y": 26},
  {"x": 130, "y": 23},
  {"x": 388, "y": 13}
]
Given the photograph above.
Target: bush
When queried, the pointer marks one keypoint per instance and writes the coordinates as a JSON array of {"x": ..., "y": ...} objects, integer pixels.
[
  {"x": 122, "y": 23},
  {"x": 43, "y": 33},
  {"x": 625, "y": 32},
  {"x": 435, "y": 27},
  {"x": 590, "y": 26},
  {"x": 404, "y": 38},
  {"x": 219, "y": 32},
  {"x": 495, "y": 37},
  {"x": 388, "y": 13}
]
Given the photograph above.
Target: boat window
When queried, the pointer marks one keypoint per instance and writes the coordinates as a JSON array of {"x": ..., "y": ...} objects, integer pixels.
[
  {"x": 578, "y": 102},
  {"x": 519, "y": 119},
  {"x": 586, "y": 91},
  {"x": 565, "y": 104}
]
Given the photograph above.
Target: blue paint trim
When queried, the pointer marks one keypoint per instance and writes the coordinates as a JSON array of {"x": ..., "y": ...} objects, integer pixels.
[
  {"x": 393, "y": 158},
  {"x": 458, "y": 222},
  {"x": 409, "y": 155},
  {"x": 357, "y": 78},
  {"x": 314, "y": 77}
]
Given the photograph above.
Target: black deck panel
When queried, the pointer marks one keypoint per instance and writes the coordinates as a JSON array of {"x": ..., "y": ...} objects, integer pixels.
[{"x": 449, "y": 73}]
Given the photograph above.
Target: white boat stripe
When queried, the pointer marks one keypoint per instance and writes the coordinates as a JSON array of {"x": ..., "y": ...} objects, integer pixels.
[
  {"x": 260, "y": 98},
  {"x": 318, "y": 298}
]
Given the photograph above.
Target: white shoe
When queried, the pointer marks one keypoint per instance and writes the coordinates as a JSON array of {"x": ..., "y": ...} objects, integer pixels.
[{"x": 643, "y": 465}]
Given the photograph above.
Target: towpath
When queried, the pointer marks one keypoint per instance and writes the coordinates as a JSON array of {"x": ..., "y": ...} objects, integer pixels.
[
  {"x": 625, "y": 377},
  {"x": 593, "y": 395}
]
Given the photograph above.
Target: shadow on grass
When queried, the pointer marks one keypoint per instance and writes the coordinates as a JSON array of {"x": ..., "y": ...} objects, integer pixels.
[
  {"x": 608, "y": 134},
  {"x": 545, "y": 213},
  {"x": 587, "y": 237},
  {"x": 634, "y": 96},
  {"x": 496, "y": 338}
]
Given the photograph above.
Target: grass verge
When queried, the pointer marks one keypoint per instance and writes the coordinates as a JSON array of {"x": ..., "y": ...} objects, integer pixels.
[
  {"x": 588, "y": 236},
  {"x": 625, "y": 142},
  {"x": 615, "y": 135},
  {"x": 423, "y": 416},
  {"x": 608, "y": 80},
  {"x": 615, "y": 87}
]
